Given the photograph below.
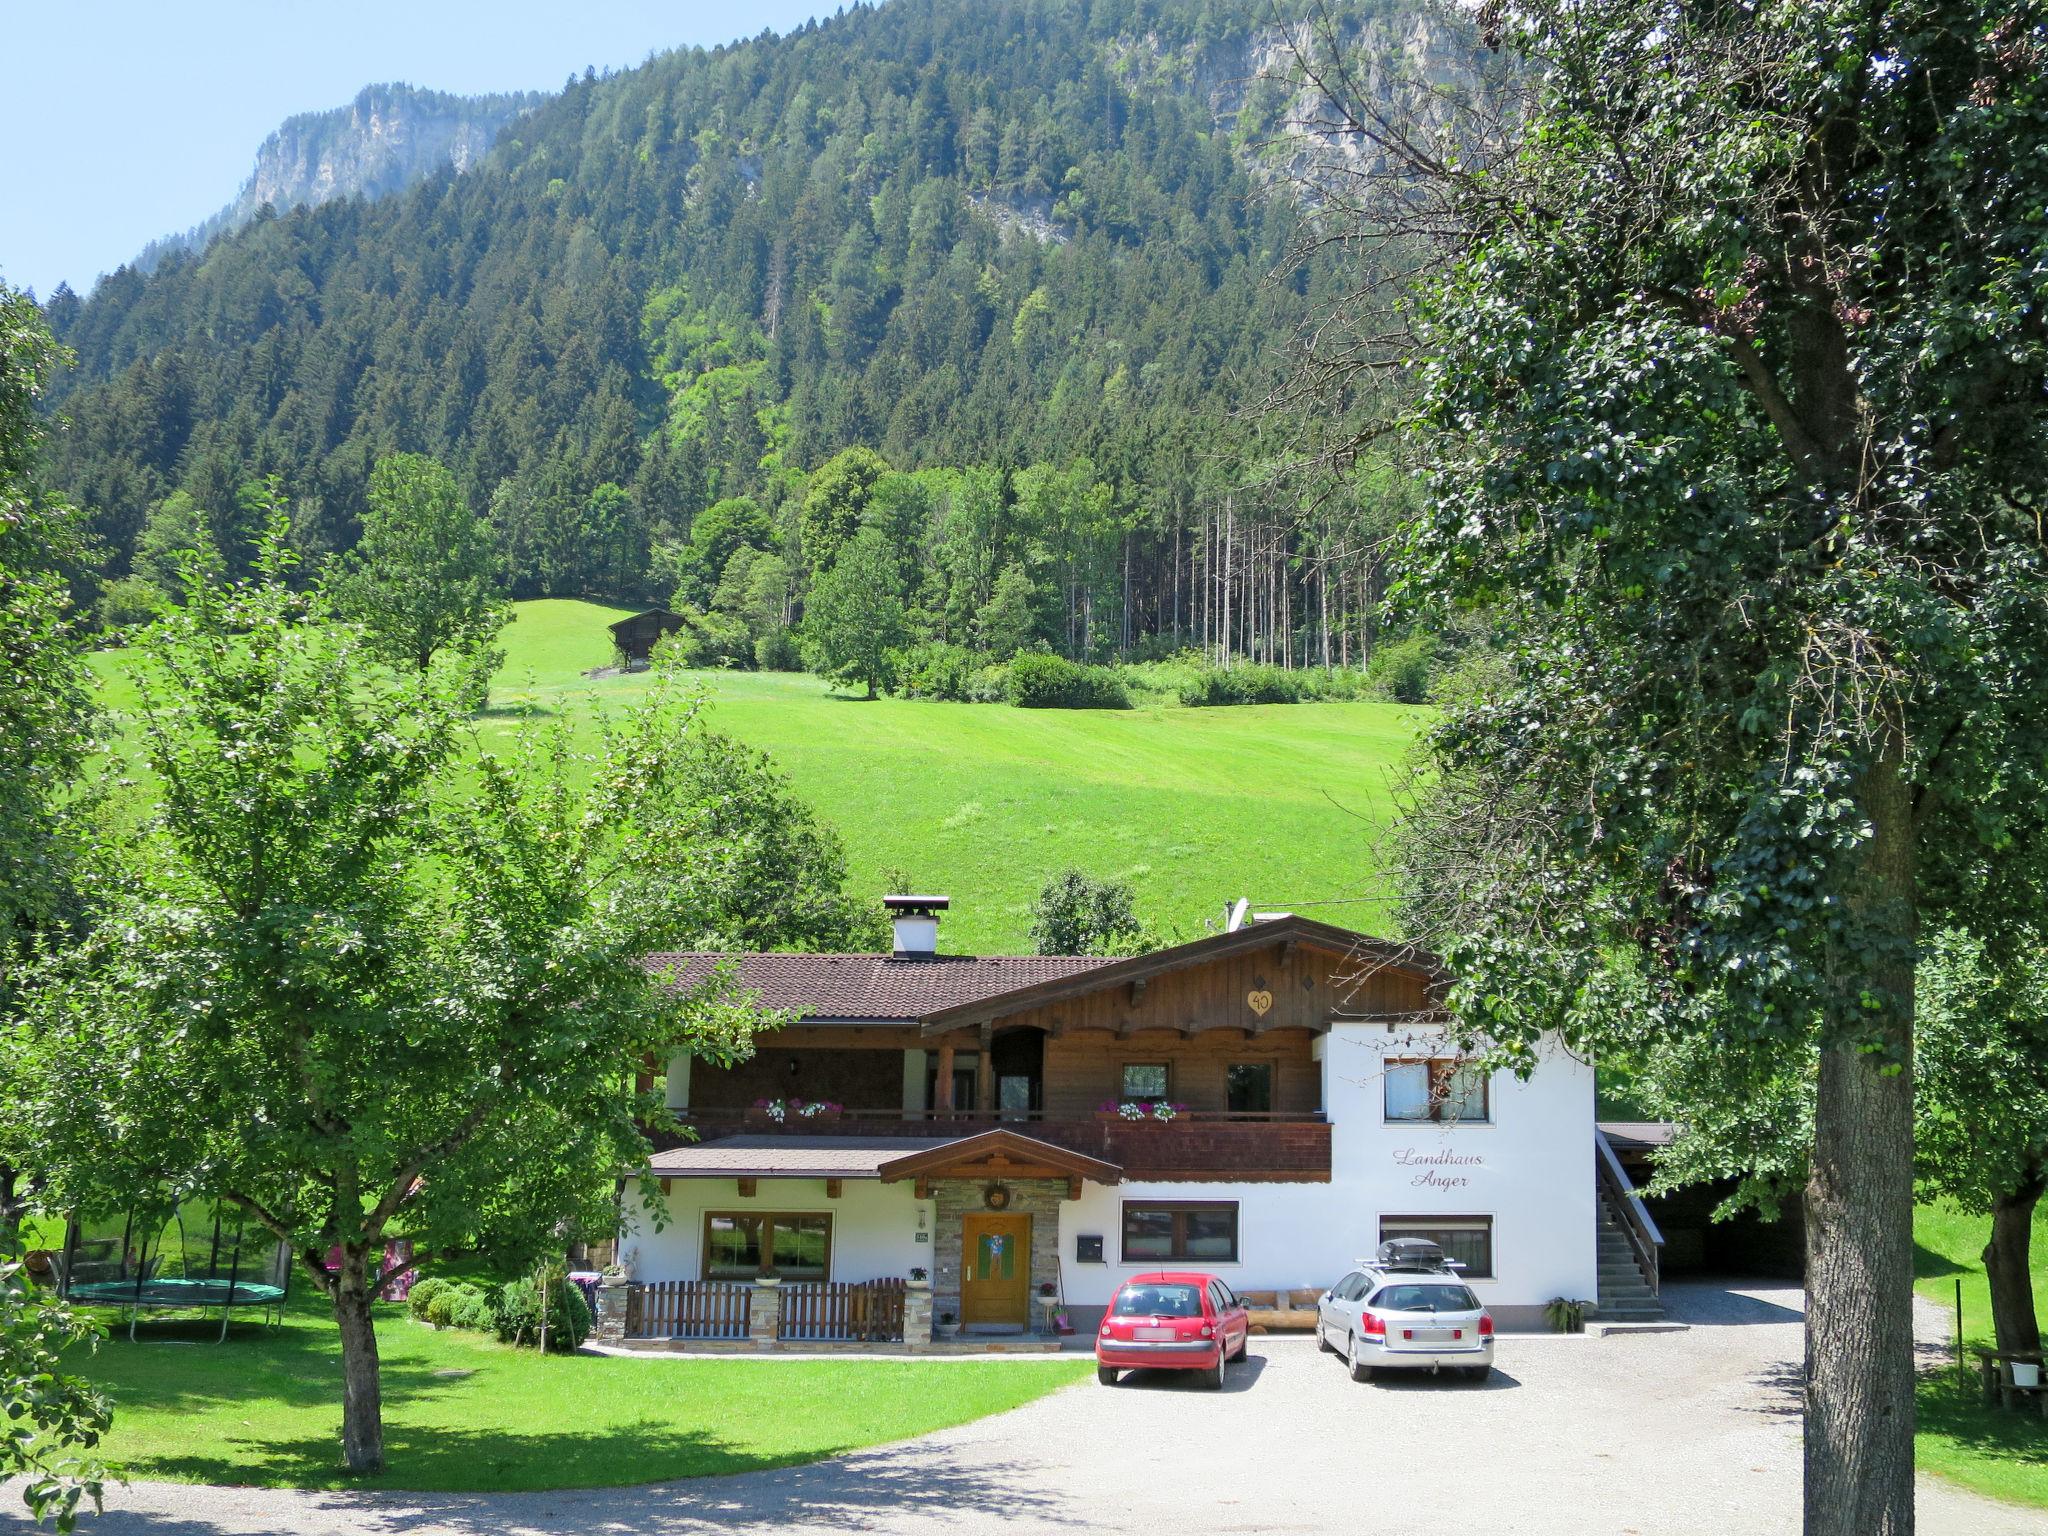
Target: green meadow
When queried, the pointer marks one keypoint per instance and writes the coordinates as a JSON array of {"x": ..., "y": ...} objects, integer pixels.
[
  {"x": 1995, "y": 1452},
  {"x": 1282, "y": 803}
]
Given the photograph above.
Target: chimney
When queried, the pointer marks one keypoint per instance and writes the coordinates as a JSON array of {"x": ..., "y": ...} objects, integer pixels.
[{"x": 916, "y": 919}]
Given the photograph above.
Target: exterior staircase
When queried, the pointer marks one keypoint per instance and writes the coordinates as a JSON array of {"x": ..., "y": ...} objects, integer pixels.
[
  {"x": 1625, "y": 1294},
  {"x": 1629, "y": 1244}
]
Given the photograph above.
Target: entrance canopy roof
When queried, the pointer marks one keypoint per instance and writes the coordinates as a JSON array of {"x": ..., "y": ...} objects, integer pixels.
[{"x": 999, "y": 1154}]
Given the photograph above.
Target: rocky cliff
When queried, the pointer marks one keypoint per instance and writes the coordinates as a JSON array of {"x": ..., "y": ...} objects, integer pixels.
[{"x": 389, "y": 137}]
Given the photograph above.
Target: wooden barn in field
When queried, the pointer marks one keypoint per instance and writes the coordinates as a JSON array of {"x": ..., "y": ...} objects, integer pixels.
[{"x": 635, "y": 635}]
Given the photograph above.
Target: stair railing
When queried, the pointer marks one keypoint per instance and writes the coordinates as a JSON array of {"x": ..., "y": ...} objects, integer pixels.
[{"x": 1619, "y": 1195}]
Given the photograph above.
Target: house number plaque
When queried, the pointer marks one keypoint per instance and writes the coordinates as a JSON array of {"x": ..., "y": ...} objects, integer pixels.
[{"x": 1259, "y": 1001}]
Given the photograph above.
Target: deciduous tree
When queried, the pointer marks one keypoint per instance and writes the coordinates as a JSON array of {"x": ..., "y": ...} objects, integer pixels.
[
  {"x": 1076, "y": 914},
  {"x": 360, "y": 975},
  {"x": 855, "y": 615},
  {"x": 1732, "y": 361},
  {"x": 424, "y": 575}
]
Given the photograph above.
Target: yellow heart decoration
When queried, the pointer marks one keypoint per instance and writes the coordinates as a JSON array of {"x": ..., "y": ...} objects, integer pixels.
[{"x": 1260, "y": 1001}]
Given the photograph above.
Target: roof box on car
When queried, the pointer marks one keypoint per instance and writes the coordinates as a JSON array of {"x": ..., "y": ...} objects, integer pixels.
[{"x": 1410, "y": 1253}]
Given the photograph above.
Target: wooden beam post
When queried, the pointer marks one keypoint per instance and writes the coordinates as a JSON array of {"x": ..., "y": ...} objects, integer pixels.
[
  {"x": 985, "y": 1073},
  {"x": 832, "y": 1188},
  {"x": 942, "y": 1095},
  {"x": 747, "y": 1188}
]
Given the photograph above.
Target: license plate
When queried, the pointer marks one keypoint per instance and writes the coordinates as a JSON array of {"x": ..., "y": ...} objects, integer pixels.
[
  {"x": 1432, "y": 1335},
  {"x": 1152, "y": 1335}
]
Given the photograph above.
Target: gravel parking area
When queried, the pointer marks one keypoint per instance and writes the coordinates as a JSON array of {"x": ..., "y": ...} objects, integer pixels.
[{"x": 1650, "y": 1434}]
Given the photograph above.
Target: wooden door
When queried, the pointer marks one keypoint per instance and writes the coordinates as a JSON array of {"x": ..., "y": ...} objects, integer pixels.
[{"x": 996, "y": 1282}]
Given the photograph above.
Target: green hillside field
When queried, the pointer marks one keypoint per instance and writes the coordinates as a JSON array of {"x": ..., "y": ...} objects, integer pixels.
[{"x": 1281, "y": 803}]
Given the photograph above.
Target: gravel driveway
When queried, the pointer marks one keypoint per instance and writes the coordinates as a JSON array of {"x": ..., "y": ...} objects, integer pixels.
[{"x": 1660, "y": 1434}]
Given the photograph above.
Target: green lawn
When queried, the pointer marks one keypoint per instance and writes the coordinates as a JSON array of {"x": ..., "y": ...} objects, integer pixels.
[
  {"x": 1281, "y": 803},
  {"x": 462, "y": 1412},
  {"x": 1994, "y": 1452}
]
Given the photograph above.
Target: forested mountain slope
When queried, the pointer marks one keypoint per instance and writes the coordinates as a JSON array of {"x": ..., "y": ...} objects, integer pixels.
[
  {"x": 383, "y": 141},
  {"x": 991, "y": 235}
]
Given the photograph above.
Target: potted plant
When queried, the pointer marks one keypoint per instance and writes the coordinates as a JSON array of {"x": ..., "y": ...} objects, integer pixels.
[
  {"x": 1565, "y": 1315},
  {"x": 768, "y": 1112},
  {"x": 921, "y": 1279},
  {"x": 1139, "y": 1111},
  {"x": 816, "y": 1109}
]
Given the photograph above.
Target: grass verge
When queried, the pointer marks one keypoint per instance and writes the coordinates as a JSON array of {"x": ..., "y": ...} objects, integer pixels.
[{"x": 463, "y": 1413}]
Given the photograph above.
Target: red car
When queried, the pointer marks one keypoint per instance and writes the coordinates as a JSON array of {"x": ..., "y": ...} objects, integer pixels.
[{"x": 1171, "y": 1320}]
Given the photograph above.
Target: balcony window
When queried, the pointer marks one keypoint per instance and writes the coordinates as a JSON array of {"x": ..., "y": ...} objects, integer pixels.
[
  {"x": 1144, "y": 1080},
  {"x": 1444, "y": 1089},
  {"x": 744, "y": 1245},
  {"x": 1188, "y": 1230},
  {"x": 1467, "y": 1241},
  {"x": 1249, "y": 1087}
]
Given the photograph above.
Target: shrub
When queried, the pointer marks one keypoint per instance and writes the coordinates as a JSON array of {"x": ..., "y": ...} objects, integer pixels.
[
  {"x": 1037, "y": 680},
  {"x": 518, "y": 1317},
  {"x": 1246, "y": 683},
  {"x": 935, "y": 670},
  {"x": 1402, "y": 669},
  {"x": 475, "y": 1310},
  {"x": 130, "y": 602},
  {"x": 776, "y": 651},
  {"x": 440, "y": 1309},
  {"x": 713, "y": 640},
  {"x": 423, "y": 1294}
]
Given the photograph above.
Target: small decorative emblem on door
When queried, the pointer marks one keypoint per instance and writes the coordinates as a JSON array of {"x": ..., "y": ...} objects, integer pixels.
[{"x": 1259, "y": 1001}]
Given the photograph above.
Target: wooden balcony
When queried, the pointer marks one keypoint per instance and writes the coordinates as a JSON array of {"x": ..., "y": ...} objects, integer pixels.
[{"x": 1194, "y": 1145}]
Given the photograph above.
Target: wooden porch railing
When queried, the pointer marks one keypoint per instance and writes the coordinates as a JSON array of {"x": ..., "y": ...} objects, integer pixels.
[
  {"x": 1283, "y": 1146},
  {"x": 870, "y": 1312},
  {"x": 689, "y": 1309},
  {"x": 1620, "y": 1197}
]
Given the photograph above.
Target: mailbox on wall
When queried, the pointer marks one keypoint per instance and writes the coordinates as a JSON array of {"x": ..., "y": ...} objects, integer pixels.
[{"x": 1088, "y": 1248}]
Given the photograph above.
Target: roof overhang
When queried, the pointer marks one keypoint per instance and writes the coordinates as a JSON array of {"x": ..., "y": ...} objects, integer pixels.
[
  {"x": 1284, "y": 933},
  {"x": 999, "y": 1154}
]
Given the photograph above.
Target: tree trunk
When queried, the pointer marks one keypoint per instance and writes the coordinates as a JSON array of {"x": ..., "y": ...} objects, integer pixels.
[
  {"x": 362, "y": 1399},
  {"x": 2006, "y": 1259},
  {"x": 1859, "y": 1207}
]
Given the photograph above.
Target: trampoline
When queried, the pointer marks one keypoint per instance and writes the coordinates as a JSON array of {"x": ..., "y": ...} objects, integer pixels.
[{"x": 198, "y": 1255}]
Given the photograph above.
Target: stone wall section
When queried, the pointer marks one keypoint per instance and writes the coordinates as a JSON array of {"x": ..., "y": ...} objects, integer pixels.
[{"x": 956, "y": 1198}]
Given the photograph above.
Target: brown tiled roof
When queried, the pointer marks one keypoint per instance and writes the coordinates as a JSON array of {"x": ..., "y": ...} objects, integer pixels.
[
  {"x": 788, "y": 1157},
  {"x": 875, "y": 986}
]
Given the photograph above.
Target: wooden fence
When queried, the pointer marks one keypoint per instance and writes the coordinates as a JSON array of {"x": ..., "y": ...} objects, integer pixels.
[
  {"x": 871, "y": 1312},
  {"x": 689, "y": 1309}
]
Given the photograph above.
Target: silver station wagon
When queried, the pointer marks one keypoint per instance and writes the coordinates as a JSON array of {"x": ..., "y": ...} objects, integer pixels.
[{"x": 1406, "y": 1310}]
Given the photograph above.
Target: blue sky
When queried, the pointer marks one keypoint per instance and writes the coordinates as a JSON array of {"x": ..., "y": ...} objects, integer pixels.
[{"x": 129, "y": 120}]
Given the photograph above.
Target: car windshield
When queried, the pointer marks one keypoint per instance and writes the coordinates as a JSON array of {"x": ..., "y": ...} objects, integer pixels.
[
  {"x": 1159, "y": 1301},
  {"x": 1426, "y": 1298}
]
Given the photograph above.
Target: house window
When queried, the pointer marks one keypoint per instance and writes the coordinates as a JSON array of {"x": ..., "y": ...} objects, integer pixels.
[
  {"x": 1443, "y": 1089},
  {"x": 1467, "y": 1241},
  {"x": 1248, "y": 1086},
  {"x": 1180, "y": 1229},
  {"x": 743, "y": 1245},
  {"x": 1144, "y": 1080}
]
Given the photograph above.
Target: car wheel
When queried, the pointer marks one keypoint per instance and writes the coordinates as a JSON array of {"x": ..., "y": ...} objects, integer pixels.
[
  {"x": 1243, "y": 1346},
  {"x": 1360, "y": 1371},
  {"x": 1478, "y": 1373},
  {"x": 1213, "y": 1377},
  {"x": 1107, "y": 1375},
  {"x": 1323, "y": 1339}
]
